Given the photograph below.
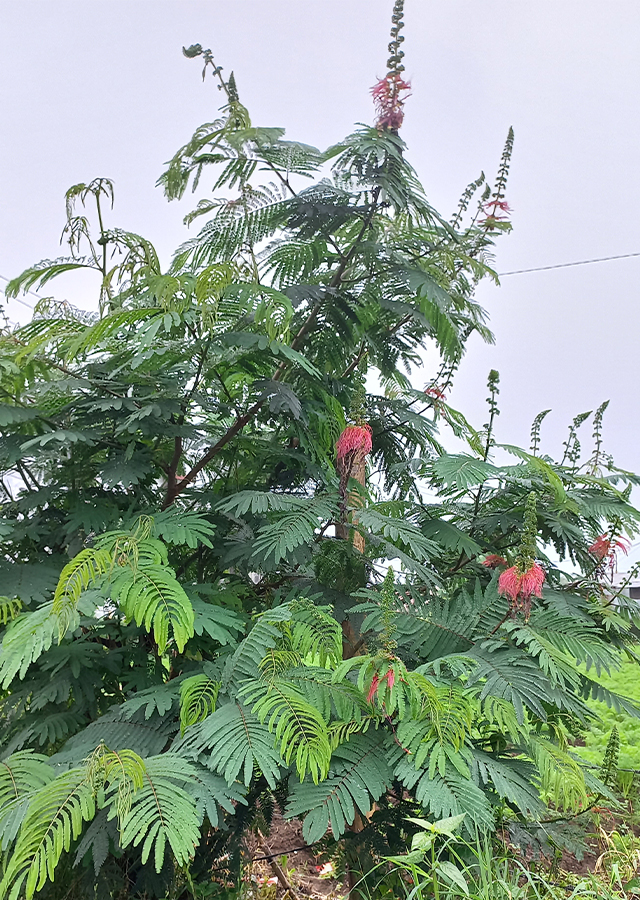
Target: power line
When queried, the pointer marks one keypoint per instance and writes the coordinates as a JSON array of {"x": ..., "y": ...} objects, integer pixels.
[
  {"x": 18, "y": 300},
  {"x": 581, "y": 262}
]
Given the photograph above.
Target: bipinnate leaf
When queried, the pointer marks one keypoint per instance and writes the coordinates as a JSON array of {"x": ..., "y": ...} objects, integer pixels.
[
  {"x": 162, "y": 812},
  {"x": 152, "y": 597},
  {"x": 358, "y": 776},
  {"x": 234, "y": 743}
]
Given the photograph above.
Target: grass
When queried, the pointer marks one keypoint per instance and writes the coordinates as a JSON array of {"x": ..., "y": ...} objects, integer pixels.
[{"x": 625, "y": 681}]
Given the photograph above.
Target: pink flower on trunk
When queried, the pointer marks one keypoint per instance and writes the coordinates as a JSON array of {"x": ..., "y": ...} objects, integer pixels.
[{"x": 354, "y": 439}]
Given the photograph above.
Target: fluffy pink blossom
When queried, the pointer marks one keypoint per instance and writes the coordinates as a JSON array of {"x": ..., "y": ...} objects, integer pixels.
[
  {"x": 437, "y": 394},
  {"x": 388, "y": 100},
  {"x": 516, "y": 584},
  {"x": 493, "y": 561},
  {"x": 355, "y": 438},
  {"x": 532, "y": 581},
  {"x": 519, "y": 587},
  {"x": 491, "y": 207},
  {"x": 604, "y": 546}
]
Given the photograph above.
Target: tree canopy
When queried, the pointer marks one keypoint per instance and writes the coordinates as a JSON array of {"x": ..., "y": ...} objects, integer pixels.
[{"x": 199, "y": 619}]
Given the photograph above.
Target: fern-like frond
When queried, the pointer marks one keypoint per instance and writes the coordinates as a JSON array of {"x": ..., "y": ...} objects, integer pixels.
[
  {"x": 211, "y": 793},
  {"x": 291, "y": 530},
  {"x": 358, "y": 776},
  {"x": 119, "y": 729},
  {"x": 223, "y": 625},
  {"x": 511, "y": 675},
  {"x": 315, "y": 633},
  {"x": 198, "y": 696},
  {"x": 21, "y": 775},
  {"x": 333, "y": 699},
  {"x": 25, "y": 640},
  {"x": 448, "y": 795},
  {"x": 152, "y": 597},
  {"x": 233, "y": 742},
  {"x": 298, "y": 727},
  {"x": 511, "y": 779},
  {"x": 55, "y": 817},
  {"x": 79, "y": 574},
  {"x": 9, "y": 609},
  {"x": 264, "y": 635},
  {"x": 161, "y": 811},
  {"x": 561, "y": 776},
  {"x": 179, "y": 526}
]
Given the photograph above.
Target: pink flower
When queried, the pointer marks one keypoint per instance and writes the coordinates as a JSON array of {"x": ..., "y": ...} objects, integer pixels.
[
  {"x": 390, "y": 678},
  {"x": 516, "y": 584},
  {"x": 493, "y": 561},
  {"x": 375, "y": 681},
  {"x": 509, "y": 583},
  {"x": 532, "y": 581},
  {"x": 604, "y": 546},
  {"x": 388, "y": 101},
  {"x": 354, "y": 439},
  {"x": 519, "y": 587},
  {"x": 491, "y": 208},
  {"x": 436, "y": 393}
]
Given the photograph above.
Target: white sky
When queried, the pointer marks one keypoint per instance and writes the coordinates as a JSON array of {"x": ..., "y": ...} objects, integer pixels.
[{"x": 100, "y": 87}]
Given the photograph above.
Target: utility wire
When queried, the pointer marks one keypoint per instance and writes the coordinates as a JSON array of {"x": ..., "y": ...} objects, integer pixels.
[
  {"x": 18, "y": 300},
  {"x": 581, "y": 262}
]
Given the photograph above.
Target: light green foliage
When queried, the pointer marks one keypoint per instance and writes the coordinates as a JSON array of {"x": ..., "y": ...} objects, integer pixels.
[
  {"x": 198, "y": 696},
  {"x": 359, "y": 774},
  {"x": 596, "y": 737}
]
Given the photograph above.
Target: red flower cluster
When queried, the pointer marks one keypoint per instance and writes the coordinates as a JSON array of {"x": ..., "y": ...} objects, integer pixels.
[
  {"x": 493, "y": 561},
  {"x": 519, "y": 586},
  {"x": 389, "y": 102},
  {"x": 354, "y": 439},
  {"x": 376, "y": 681},
  {"x": 605, "y": 546},
  {"x": 436, "y": 393},
  {"x": 493, "y": 209}
]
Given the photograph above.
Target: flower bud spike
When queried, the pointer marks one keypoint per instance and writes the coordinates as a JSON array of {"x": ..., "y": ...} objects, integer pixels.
[{"x": 524, "y": 580}]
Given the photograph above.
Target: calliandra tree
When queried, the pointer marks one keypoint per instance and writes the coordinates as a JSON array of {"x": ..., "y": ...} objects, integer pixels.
[{"x": 172, "y": 659}]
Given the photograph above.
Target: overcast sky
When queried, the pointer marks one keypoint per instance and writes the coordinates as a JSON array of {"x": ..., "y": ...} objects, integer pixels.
[{"x": 100, "y": 88}]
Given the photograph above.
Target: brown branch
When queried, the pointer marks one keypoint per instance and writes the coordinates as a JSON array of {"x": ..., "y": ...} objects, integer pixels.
[
  {"x": 237, "y": 426},
  {"x": 355, "y": 362},
  {"x": 278, "y": 871},
  {"x": 241, "y": 421}
]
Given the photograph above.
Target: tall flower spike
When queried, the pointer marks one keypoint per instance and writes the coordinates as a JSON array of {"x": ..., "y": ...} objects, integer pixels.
[
  {"x": 524, "y": 580},
  {"x": 390, "y": 93}
]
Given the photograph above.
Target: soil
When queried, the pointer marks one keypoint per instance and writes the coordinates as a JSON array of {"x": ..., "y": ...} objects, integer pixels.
[{"x": 307, "y": 874}]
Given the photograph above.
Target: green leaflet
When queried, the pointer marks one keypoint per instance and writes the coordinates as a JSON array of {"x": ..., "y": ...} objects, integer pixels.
[
  {"x": 25, "y": 639},
  {"x": 358, "y": 775},
  {"x": 233, "y": 742},
  {"x": 298, "y": 728},
  {"x": 56, "y": 814},
  {"x": 162, "y": 812},
  {"x": 153, "y": 598}
]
